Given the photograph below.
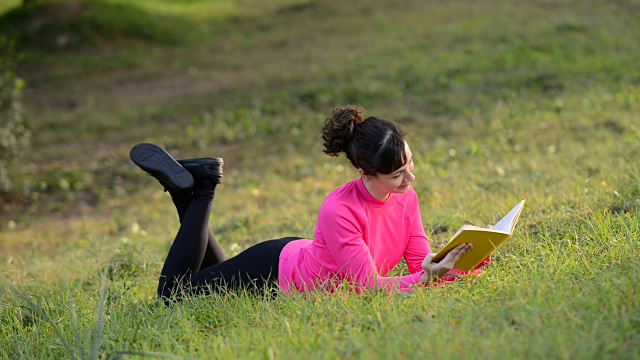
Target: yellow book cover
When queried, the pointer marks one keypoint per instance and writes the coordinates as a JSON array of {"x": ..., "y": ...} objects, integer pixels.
[{"x": 485, "y": 241}]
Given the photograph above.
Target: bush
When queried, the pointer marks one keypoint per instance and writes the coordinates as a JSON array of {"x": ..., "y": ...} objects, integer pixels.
[{"x": 14, "y": 132}]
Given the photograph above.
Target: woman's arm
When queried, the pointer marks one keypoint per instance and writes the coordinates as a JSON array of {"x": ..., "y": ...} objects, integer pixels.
[
  {"x": 342, "y": 232},
  {"x": 418, "y": 245},
  {"x": 434, "y": 271}
]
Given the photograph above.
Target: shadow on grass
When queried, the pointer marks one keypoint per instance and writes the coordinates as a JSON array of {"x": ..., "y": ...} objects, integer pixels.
[{"x": 69, "y": 24}]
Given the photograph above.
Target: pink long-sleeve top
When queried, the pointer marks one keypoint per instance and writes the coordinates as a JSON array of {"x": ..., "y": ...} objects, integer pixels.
[{"x": 358, "y": 239}]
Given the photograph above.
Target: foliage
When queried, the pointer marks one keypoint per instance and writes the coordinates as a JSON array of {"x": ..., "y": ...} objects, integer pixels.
[{"x": 14, "y": 133}]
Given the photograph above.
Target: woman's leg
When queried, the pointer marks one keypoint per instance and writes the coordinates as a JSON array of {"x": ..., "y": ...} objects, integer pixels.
[
  {"x": 214, "y": 253},
  {"x": 253, "y": 269},
  {"x": 195, "y": 257},
  {"x": 191, "y": 184},
  {"x": 188, "y": 249}
]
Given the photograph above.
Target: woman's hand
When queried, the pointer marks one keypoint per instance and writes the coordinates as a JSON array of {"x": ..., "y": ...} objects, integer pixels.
[{"x": 434, "y": 271}]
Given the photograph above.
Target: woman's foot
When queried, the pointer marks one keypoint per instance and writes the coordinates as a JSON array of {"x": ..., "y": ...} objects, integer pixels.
[
  {"x": 210, "y": 168},
  {"x": 207, "y": 174},
  {"x": 162, "y": 166}
]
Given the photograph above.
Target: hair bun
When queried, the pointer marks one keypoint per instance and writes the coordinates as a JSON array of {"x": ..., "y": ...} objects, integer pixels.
[{"x": 339, "y": 129}]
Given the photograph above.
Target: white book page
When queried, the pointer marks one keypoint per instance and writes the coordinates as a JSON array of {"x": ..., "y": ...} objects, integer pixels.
[{"x": 507, "y": 223}]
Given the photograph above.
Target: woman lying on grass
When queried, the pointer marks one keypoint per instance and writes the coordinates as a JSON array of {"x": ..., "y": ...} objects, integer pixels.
[{"x": 363, "y": 230}]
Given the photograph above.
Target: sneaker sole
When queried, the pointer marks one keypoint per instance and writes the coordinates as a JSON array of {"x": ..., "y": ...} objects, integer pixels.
[{"x": 161, "y": 165}]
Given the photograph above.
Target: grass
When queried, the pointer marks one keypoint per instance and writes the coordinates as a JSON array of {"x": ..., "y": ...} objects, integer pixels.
[
  {"x": 502, "y": 101},
  {"x": 9, "y": 4}
]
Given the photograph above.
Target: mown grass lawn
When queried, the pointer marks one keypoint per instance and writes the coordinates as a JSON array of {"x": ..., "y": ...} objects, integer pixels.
[{"x": 502, "y": 100}]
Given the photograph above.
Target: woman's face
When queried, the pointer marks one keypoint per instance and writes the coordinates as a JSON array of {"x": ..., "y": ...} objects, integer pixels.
[{"x": 399, "y": 181}]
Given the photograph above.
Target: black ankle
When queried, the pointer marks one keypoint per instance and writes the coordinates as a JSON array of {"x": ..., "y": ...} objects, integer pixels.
[
  {"x": 205, "y": 190},
  {"x": 206, "y": 172}
]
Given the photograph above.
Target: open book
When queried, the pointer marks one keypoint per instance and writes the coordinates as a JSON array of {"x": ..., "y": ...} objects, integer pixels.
[{"x": 485, "y": 241}]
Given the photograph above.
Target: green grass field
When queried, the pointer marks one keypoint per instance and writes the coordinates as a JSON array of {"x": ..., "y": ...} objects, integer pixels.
[{"x": 502, "y": 101}]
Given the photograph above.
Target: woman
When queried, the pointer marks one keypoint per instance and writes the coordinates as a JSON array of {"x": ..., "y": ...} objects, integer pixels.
[{"x": 363, "y": 230}]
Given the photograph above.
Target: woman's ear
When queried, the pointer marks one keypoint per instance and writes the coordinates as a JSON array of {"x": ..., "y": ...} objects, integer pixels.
[{"x": 361, "y": 172}]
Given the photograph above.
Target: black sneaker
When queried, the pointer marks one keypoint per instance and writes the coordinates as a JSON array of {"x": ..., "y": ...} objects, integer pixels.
[
  {"x": 158, "y": 163},
  {"x": 204, "y": 168}
]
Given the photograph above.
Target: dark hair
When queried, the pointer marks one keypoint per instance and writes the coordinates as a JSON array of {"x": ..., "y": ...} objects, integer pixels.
[{"x": 374, "y": 145}]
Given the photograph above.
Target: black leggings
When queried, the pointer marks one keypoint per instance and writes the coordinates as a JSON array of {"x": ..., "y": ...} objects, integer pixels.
[{"x": 196, "y": 263}]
